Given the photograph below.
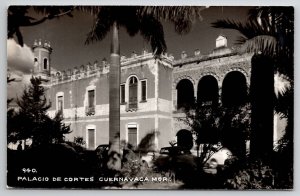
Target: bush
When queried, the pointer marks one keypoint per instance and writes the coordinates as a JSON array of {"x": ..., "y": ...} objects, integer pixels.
[{"x": 241, "y": 174}]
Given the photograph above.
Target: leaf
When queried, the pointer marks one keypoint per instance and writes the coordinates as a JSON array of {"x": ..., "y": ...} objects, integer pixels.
[{"x": 262, "y": 44}]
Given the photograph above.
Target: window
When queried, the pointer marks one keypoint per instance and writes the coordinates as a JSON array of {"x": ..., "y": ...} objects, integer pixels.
[
  {"x": 91, "y": 139},
  {"x": 132, "y": 93},
  {"x": 60, "y": 102},
  {"x": 45, "y": 63},
  {"x": 122, "y": 96},
  {"x": 90, "y": 108},
  {"x": 91, "y": 95},
  {"x": 132, "y": 134},
  {"x": 144, "y": 91}
]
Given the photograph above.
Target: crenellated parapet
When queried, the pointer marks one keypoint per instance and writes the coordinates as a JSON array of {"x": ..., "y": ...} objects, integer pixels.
[
  {"x": 39, "y": 44},
  {"x": 101, "y": 68},
  {"x": 80, "y": 72}
]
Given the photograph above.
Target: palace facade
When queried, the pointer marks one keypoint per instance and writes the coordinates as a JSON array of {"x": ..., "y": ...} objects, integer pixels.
[{"x": 152, "y": 91}]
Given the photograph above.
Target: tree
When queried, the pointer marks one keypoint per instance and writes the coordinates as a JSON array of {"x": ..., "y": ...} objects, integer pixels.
[
  {"x": 135, "y": 19},
  {"x": 213, "y": 124},
  {"x": 269, "y": 34},
  {"x": 17, "y": 18},
  {"x": 31, "y": 121}
]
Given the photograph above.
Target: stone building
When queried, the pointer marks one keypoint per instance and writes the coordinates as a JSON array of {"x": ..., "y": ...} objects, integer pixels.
[
  {"x": 82, "y": 95},
  {"x": 152, "y": 91}
]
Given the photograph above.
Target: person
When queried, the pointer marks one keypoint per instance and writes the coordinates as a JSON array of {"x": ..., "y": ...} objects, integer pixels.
[{"x": 19, "y": 148}]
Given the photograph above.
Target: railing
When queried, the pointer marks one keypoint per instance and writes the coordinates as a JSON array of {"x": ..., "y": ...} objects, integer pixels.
[
  {"x": 89, "y": 111},
  {"x": 131, "y": 106}
]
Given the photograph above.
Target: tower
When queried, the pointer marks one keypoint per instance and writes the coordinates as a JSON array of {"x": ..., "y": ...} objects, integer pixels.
[{"x": 42, "y": 59}]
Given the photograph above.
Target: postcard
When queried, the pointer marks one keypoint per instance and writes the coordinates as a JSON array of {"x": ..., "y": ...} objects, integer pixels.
[{"x": 150, "y": 97}]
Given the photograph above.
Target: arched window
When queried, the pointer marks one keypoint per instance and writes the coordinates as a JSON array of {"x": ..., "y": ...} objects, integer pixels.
[
  {"x": 45, "y": 63},
  {"x": 234, "y": 89},
  {"x": 185, "y": 94},
  {"x": 133, "y": 82},
  {"x": 208, "y": 91}
]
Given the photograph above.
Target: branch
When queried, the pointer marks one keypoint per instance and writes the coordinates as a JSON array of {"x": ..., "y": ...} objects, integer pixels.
[{"x": 50, "y": 17}]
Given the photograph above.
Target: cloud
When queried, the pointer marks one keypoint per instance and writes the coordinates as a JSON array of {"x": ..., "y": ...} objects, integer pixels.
[
  {"x": 19, "y": 59},
  {"x": 15, "y": 89}
]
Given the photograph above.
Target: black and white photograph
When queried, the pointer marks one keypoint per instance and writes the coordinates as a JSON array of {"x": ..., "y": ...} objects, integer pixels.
[{"x": 150, "y": 97}]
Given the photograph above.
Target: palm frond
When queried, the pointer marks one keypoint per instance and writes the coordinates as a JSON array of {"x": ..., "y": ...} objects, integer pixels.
[
  {"x": 54, "y": 11},
  {"x": 92, "y": 10},
  {"x": 248, "y": 30},
  {"x": 152, "y": 31},
  {"x": 281, "y": 84},
  {"x": 101, "y": 26},
  {"x": 260, "y": 44},
  {"x": 182, "y": 16},
  {"x": 128, "y": 18}
]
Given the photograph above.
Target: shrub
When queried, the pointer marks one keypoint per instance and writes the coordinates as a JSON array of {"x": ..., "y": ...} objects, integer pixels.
[{"x": 241, "y": 174}]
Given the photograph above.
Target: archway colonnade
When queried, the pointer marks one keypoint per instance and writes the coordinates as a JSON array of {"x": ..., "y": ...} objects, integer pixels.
[{"x": 209, "y": 89}]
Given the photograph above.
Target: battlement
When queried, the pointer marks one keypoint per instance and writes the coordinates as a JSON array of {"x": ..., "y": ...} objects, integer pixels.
[
  {"x": 98, "y": 68},
  {"x": 39, "y": 44}
]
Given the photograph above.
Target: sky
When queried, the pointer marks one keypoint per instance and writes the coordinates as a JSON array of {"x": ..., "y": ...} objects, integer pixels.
[{"x": 67, "y": 37}]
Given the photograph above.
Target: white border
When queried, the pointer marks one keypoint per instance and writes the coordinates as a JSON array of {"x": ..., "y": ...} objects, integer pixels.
[{"x": 3, "y": 35}]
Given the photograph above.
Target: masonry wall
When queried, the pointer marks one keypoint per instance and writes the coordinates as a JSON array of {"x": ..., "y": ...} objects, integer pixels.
[
  {"x": 74, "y": 92},
  {"x": 146, "y": 117},
  {"x": 165, "y": 131}
]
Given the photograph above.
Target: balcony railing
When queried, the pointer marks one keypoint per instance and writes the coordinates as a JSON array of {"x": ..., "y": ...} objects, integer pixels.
[
  {"x": 131, "y": 106},
  {"x": 89, "y": 111}
]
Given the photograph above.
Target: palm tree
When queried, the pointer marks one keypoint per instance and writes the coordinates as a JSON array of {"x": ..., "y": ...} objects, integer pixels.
[
  {"x": 269, "y": 34},
  {"x": 135, "y": 19}
]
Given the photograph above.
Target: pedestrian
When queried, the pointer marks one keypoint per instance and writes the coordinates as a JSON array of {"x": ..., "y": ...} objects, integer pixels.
[{"x": 20, "y": 148}]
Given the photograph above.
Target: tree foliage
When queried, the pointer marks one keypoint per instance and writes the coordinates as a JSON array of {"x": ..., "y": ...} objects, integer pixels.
[
  {"x": 145, "y": 20},
  {"x": 30, "y": 120},
  {"x": 18, "y": 18},
  {"x": 213, "y": 124},
  {"x": 270, "y": 32}
]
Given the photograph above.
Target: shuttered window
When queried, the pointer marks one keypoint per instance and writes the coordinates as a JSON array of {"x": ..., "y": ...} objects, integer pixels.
[
  {"x": 91, "y": 95},
  {"x": 122, "y": 93},
  {"x": 60, "y": 103},
  {"x": 133, "y": 92},
  {"x": 91, "y": 139},
  {"x": 144, "y": 89},
  {"x": 132, "y": 136}
]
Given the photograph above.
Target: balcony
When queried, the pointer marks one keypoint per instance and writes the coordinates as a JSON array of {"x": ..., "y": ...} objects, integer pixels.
[
  {"x": 89, "y": 111},
  {"x": 131, "y": 106}
]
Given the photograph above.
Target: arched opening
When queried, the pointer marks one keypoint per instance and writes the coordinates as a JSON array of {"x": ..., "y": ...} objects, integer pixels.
[
  {"x": 184, "y": 139},
  {"x": 185, "y": 94},
  {"x": 208, "y": 91},
  {"x": 234, "y": 89},
  {"x": 45, "y": 63},
  {"x": 133, "y": 92}
]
